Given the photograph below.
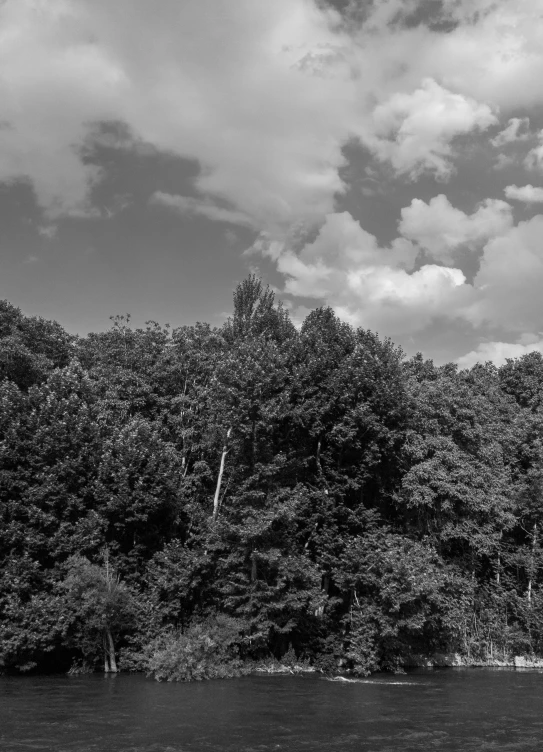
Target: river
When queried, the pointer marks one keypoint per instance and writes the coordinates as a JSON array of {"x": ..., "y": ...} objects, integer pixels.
[{"x": 450, "y": 709}]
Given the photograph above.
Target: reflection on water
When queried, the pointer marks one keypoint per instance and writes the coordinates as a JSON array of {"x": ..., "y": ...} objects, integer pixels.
[{"x": 451, "y": 709}]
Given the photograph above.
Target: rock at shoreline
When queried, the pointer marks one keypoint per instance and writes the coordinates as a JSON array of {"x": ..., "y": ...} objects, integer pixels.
[{"x": 450, "y": 660}]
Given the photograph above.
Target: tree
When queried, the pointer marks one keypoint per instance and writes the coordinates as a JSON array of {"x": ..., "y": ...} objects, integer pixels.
[
  {"x": 30, "y": 347},
  {"x": 98, "y": 609},
  {"x": 255, "y": 313},
  {"x": 404, "y": 599},
  {"x": 457, "y": 484}
]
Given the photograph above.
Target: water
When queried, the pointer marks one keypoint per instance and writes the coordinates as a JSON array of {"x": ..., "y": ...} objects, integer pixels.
[{"x": 473, "y": 709}]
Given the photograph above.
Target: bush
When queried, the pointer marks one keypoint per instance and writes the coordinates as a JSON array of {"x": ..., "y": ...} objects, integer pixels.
[{"x": 208, "y": 650}]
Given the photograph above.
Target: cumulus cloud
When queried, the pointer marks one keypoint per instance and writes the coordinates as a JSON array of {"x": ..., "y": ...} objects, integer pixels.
[
  {"x": 203, "y": 207},
  {"x": 498, "y": 352},
  {"x": 386, "y": 288},
  {"x": 495, "y": 53},
  {"x": 441, "y": 229},
  {"x": 369, "y": 285},
  {"x": 517, "y": 129},
  {"x": 48, "y": 231},
  {"x": 263, "y": 95},
  {"x": 54, "y": 81},
  {"x": 510, "y": 279},
  {"x": 526, "y": 193},
  {"x": 534, "y": 158},
  {"x": 224, "y": 86},
  {"x": 416, "y": 129}
]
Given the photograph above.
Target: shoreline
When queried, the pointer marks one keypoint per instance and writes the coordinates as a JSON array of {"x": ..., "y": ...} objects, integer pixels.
[
  {"x": 440, "y": 660},
  {"x": 456, "y": 660}
]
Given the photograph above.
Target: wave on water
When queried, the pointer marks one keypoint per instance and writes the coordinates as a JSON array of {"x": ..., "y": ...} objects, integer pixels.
[{"x": 345, "y": 680}]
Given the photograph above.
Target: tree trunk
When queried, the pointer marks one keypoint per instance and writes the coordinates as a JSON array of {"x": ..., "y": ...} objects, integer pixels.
[
  {"x": 110, "y": 664},
  {"x": 216, "y": 503},
  {"x": 532, "y": 563},
  {"x": 106, "y": 655},
  {"x": 319, "y": 612},
  {"x": 318, "y": 459}
]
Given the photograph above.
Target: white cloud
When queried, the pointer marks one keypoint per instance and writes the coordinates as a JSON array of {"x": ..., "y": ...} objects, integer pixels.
[
  {"x": 383, "y": 289},
  {"x": 498, "y": 352},
  {"x": 415, "y": 130},
  {"x": 526, "y": 193},
  {"x": 534, "y": 158},
  {"x": 224, "y": 85},
  {"x": 53, "y": 81},
  {"x": 504, "y": 161},
  {"x": 264, "y": 95},
  {"x": 203, "y": 207},
  {"x": 368, "y": 285},
  {"x": 510, "y": 280},
  {"x": 441, "y": 229},
  {"x": 48, "y": 231},
  {"x": 517, "y": 129},
  {"x": 494, "y": 55}
]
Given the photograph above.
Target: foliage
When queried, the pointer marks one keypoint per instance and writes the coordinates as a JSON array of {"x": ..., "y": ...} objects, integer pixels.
[
  {"x": 96, "y": 606},
  {"x": 262, "y": 492},
  {"x": 207, "y": 650}
]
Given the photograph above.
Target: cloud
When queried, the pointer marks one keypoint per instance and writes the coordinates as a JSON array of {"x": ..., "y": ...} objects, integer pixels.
[
  {"x": 498, "y": 352},
  {"x": 517, "y": 129},
  {"x": 495, "y": 53},
  {"x": 504, "y": 161},
  {"x": 227, "y": 88},
  {"x": 48, "y": 231},
  {"x": 526, "y": 193},
  {"x": 263, "y": 95},
  {"x": 510, "y": 279},
  {"x": 54, "y": 81},
  {"x": 441, "y": 229},
  {"x": 203, "y": 207},
  {"x": 414, "y": 131},
  {"x": 369, "y": 285},
  {"x": 534, "y": 158},
  {"x": 386, "y": 289}
]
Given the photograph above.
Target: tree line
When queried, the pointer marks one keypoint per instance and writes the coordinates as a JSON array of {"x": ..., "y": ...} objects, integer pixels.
[{"x": 191, "y": 501}]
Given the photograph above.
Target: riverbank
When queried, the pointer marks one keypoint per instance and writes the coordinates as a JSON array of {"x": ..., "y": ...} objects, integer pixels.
[
  {"x": 281, "y": 668},
  {"x": 451, "y": 660}
]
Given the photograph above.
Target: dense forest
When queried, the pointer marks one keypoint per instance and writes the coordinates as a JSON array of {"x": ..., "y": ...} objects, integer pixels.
[{"x": 193, "y": 502}]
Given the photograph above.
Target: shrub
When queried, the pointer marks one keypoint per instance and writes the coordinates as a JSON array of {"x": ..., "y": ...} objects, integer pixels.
[{"x": 206, "y": 650}]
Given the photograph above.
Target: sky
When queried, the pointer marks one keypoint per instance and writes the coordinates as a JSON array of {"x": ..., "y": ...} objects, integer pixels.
[{"x": 383, "y": 158}]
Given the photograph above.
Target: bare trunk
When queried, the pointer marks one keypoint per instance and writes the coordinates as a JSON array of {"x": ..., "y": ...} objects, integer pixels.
[
  {"x": 319, "y": 612},
  {"x": 110, "y": 664},
  {"x": 216, "y": 503},
  {"x": 318, "y": 458},
  {"x": 112, "y": 581},
  {"x": 112, "y": 660},
  {"x": 532, "y": 562}
]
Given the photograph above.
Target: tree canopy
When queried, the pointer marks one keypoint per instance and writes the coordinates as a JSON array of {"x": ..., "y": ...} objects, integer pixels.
[{"x": 257, "y": 489}]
